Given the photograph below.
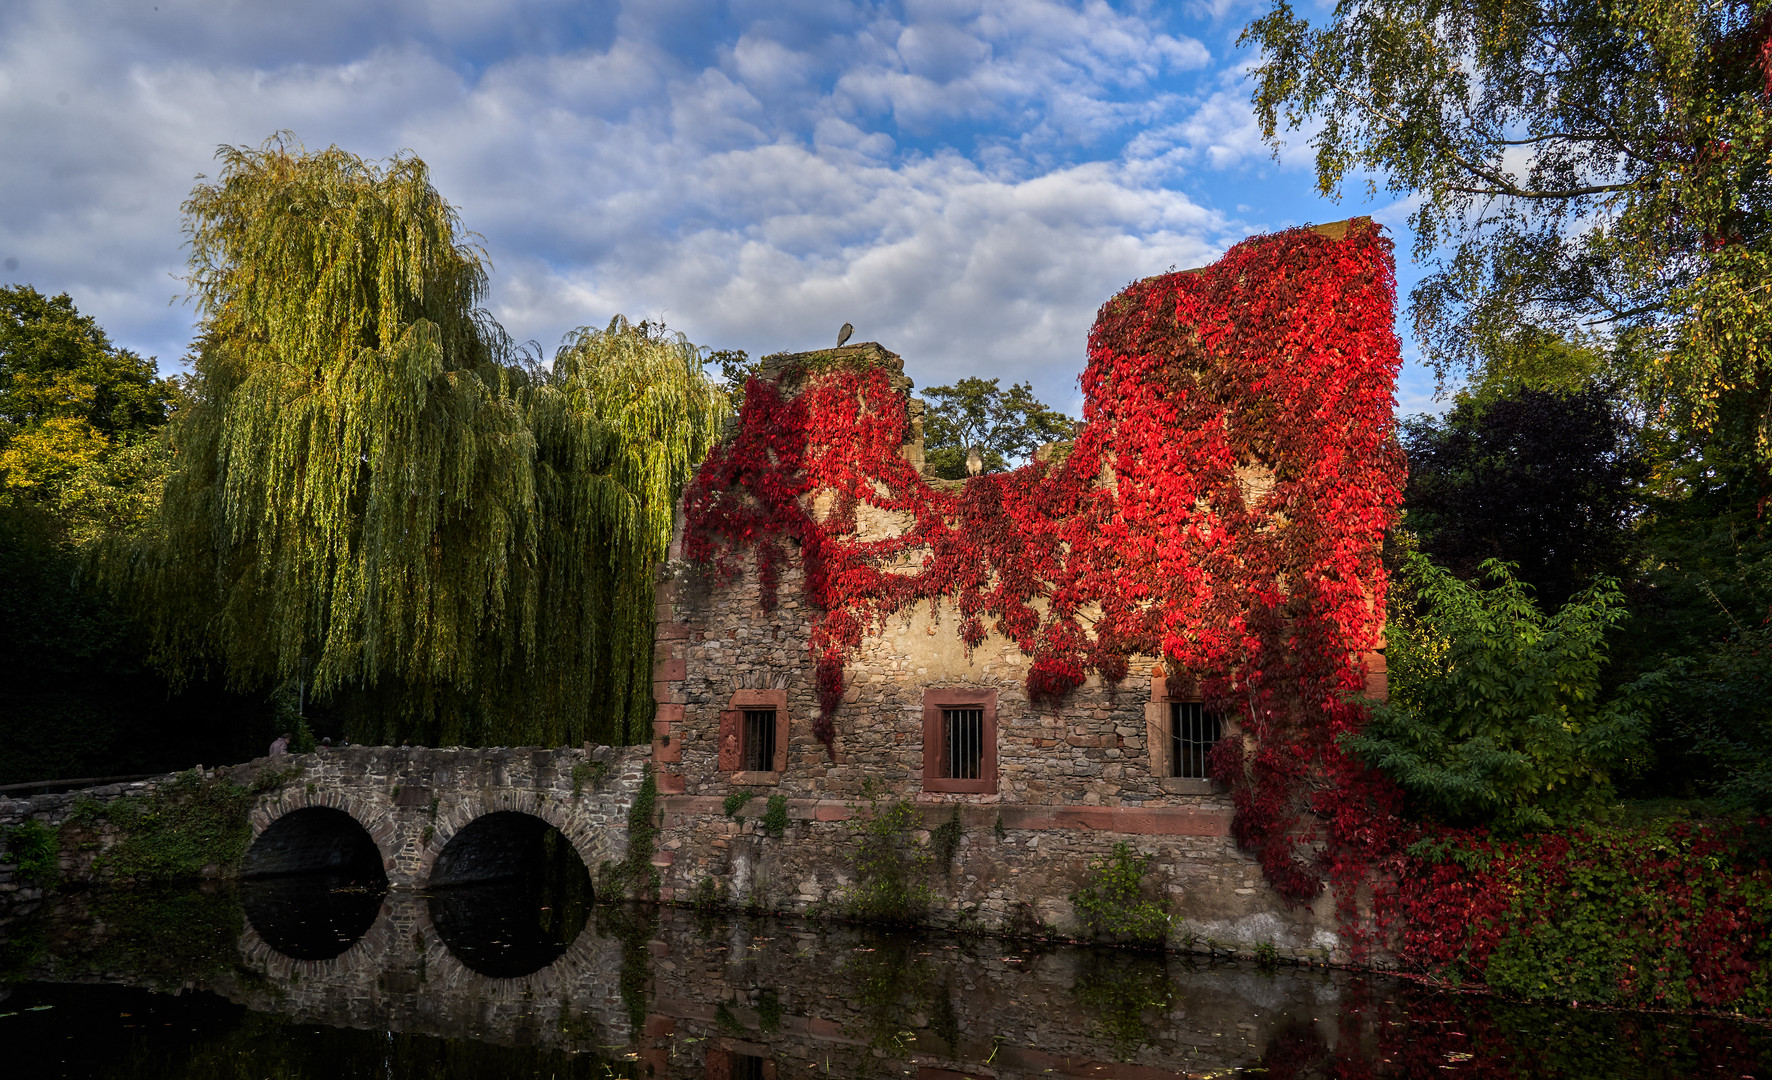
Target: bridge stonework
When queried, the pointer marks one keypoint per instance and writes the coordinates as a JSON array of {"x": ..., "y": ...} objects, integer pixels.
[
  {"x": 413, "y": 800},
  {"x": 410, "y": 800}
]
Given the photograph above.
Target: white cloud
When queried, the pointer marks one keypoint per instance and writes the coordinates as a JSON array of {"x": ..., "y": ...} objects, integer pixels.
[{"x": 755, "y": 174}]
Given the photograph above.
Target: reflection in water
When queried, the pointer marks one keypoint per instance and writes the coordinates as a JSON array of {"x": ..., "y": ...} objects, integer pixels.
[
  {"x": 516, "y": 925},
  {"x": 311, "y": 916},
  {"x": 640, "y": 992}
]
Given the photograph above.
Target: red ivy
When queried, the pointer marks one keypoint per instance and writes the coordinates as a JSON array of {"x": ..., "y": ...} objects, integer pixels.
[{"x": 1278, "y": 361}]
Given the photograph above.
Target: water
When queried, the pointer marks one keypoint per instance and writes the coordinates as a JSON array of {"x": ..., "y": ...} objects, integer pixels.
[{"x": 328, "y": 978}]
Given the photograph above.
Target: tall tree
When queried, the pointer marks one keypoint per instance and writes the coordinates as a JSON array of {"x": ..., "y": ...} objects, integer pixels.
[
  {"x": 374, "y": 491},
  {"x": 69, "y": 398},
  {"x": 1547, "y": 481},
  {"x": 976, "y": 414},
  {"x": 1581, "y": 165}
]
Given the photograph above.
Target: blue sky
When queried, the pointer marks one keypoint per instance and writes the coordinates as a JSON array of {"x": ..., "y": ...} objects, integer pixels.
[{"x": 965, "y": 181}]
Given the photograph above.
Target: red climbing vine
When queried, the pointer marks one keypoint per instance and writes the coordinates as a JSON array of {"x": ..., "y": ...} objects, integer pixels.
[{"x": 1222, "y": 508}]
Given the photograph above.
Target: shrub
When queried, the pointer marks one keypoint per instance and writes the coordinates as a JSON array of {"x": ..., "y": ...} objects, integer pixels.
[
  {"x": 775, "y": 815},
  {"x": 1110, "y": 906},
  {"x": 888, "y": 866},
  {"x": 36, "y": 848}
]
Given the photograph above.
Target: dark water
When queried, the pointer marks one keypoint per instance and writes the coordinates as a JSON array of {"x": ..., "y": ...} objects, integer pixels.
[{"x": 323, "y": 978}]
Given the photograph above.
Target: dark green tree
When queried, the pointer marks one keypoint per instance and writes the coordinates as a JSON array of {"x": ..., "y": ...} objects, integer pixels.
[
  {"x": 374, "y": 488},
  {"x": 1576, "y": 166},
  {"x": 1004, "y": 426},
  {"x": 1548, "y": 481}
]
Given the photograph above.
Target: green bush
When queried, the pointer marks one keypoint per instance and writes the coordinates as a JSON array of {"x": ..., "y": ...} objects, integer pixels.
[
  {"x": 178, "y": 829},
  {"x": 1111, "y": 907},
  {"x": 775, "y": 815},
  {"x": 36, "y": 848},
  {"x": 1496, "y": 714},
  {"x": 889, "y": 867}
]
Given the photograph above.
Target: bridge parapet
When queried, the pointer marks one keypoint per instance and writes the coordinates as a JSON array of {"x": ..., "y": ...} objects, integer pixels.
[{"x": 413, "y": 801}]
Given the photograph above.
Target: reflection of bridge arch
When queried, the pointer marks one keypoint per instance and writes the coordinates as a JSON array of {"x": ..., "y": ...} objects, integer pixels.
[{"x": 402, "y": 968}]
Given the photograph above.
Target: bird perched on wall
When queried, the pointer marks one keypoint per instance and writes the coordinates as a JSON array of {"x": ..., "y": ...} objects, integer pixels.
[{"x": 843, "y": 334}]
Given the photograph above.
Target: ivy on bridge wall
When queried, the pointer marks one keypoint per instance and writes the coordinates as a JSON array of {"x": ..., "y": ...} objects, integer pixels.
[{"x": 1223, "y": 508}]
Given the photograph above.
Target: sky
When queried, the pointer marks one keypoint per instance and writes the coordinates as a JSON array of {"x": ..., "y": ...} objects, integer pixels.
[{"x": 966, "y": 181}]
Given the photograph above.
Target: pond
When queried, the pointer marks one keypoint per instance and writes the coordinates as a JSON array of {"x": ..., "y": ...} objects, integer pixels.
[{"x": 333, "y": 976}]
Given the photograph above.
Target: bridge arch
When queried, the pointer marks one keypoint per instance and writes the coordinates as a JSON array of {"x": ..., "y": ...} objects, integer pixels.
[
  {"x": 589, "y": 837},
  {"x": 297, "y": 799}
]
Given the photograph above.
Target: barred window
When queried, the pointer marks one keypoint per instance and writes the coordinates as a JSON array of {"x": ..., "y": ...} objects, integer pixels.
[
  {"x": 747, "y": 1067},
  {"x": 1192, "y": 731},
  {"x": 759, "y": 740},
  {"x": 963, "y": 739}
]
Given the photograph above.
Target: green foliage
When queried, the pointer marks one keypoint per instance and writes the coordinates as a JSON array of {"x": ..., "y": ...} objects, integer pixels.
[
  {"x": 1548, "y": 480},
  {"x": 1111, "y": 905},
  {"x": 775, "y": 815},
  {"x": 635, "y": 875},
  {"x": 769, "y": 1010},
  {"x": 1120, "y": 989},
  {"x": 889, "y": 867},
  {"x": 69, "y": 399},
  {"x": 1579, "y": 164},
  {"x": 179, "y": 828},
  {"x": 370, "y": 479},
  {"x": 736, "y": 368},
  {"x": 35, "y": 848},
  {"x": 1004, "y": 426},
  {"x": 944, "y": 841},
  {"x": 735, "y": 802},
  {"x": 1496, "y": 714},
  {"x": 588, "y": 774},
  {"x": 1723, "y": 704}
]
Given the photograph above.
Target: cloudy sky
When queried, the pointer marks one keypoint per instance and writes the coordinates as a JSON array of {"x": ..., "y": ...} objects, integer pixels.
[{"x": 964, "y": 180}]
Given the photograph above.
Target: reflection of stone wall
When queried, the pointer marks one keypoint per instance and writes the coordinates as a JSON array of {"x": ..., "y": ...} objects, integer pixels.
[
  {"x": 801, "y": 997},
  {"x": 835, "y": 1003}
]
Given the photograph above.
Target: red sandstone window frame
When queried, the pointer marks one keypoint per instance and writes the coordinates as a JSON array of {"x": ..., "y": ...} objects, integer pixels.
[
  {"x": 1167, "y": 690},
  {"x": 935, "y": 699},
  {"x": 732, "y": 735}
]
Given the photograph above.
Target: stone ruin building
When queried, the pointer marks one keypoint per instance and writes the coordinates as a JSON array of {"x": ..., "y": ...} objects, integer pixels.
[{"x": 1041, "y": 785}]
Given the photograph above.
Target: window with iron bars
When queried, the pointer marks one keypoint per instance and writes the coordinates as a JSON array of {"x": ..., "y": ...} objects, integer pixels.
[
  {"x": 759, "y": 740},
  {"x": 748, "y": 1067},
  {"x": 963, "y": 738},
  {"x": 1192, "y": 732}
]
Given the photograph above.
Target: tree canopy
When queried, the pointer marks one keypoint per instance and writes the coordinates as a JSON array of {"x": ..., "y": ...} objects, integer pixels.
[
  {"x": 976, "y": 414},
  {"x": 1580, "y": 167},
  {"x": 1544, "y": 480},
  {"x": 375, "y": 491},
  {"x": 70, "y": 401}
]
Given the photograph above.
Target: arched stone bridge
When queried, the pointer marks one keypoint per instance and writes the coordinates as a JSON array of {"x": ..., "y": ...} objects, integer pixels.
[{"x": 413, "y": 801}]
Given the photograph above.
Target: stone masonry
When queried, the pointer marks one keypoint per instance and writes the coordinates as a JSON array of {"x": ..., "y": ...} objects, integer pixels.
[
  {"x": 1070, "y": 780},
  {"x": 410, "y": 801}
]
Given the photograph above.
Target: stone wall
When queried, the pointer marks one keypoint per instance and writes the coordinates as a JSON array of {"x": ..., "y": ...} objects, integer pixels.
[
  {"x": 411, "y": 801},
  {"x": 1071, "y": 779}
]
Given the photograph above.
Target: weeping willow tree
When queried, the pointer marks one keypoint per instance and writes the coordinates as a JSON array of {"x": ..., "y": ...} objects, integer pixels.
[{"x": 374, "y": 491}]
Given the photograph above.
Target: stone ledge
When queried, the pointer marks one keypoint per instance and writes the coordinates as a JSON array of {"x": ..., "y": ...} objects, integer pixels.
[{"x": 1131, "y": 820}]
